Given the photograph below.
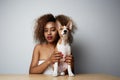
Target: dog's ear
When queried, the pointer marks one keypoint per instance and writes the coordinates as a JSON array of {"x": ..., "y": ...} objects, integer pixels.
[
  {"x": 69, "y": 25},
  {"x": 58, "y": 24}
]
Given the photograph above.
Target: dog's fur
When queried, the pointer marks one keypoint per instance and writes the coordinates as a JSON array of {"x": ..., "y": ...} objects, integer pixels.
[{"x": 64, "y": 47}]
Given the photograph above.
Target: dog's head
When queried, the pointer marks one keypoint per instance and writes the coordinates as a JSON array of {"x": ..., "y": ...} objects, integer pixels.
[{"x": 64, "y": 30}]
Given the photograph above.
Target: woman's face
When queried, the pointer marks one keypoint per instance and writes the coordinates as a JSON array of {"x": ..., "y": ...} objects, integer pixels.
[{"x": 50, "y": 32}]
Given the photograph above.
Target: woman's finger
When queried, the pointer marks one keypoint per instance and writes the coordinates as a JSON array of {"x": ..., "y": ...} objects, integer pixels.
[{"x": 69, "y": 57}]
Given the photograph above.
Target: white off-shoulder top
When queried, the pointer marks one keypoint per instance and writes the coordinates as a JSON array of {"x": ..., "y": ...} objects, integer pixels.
[{"x": 49, "y": 70}]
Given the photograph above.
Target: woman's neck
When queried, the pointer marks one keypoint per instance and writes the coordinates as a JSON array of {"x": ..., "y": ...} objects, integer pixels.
[{"x": 51, "y": 44}]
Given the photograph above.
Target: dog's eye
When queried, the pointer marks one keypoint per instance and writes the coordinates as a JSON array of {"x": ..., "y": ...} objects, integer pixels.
[
  {"x": 61, "y": 28},
  {"x": 67, "y": 28}
]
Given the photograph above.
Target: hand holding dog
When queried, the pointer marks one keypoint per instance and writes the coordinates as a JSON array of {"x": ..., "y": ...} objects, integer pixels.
[
  {"x": 69, "y": 59},
  {"x": 55, "y": 57}
]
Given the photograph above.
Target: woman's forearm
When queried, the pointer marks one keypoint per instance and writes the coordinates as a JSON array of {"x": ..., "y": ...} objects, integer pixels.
[{"x": 40, "y": 68}]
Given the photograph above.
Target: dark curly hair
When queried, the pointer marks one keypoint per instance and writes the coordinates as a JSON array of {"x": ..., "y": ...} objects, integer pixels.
[
  {"x": 39, "y": 27},
  {"x": 63, "y": 19}
]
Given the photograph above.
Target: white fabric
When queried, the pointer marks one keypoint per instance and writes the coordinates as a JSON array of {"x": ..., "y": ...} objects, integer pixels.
[{"x": 49, "y": 70}]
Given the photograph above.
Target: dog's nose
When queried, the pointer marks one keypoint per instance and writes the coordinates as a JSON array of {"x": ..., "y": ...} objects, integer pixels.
[{"x": 65, "y": 31}]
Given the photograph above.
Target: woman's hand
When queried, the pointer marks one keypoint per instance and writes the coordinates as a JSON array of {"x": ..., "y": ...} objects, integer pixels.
[
  {"x": 69, "y": 59},
  {"x": 55, "y": 57}
]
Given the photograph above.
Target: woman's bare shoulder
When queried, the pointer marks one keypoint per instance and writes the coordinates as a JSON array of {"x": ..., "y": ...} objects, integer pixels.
[
  {"x": 37, "y": 49},
  {"x": 39, "y": 46}
]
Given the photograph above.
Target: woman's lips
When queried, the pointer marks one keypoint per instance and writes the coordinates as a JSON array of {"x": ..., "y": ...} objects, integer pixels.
[{"x": 49, "y": 37}]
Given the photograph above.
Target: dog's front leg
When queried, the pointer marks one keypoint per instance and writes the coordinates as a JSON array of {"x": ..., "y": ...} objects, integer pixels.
[
  {"x": 55, "y": 72},
  {"x": 70, "y": 70}
]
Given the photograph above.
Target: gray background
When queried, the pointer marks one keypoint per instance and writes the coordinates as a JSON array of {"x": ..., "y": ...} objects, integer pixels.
[{"x": 96, "y": 47}]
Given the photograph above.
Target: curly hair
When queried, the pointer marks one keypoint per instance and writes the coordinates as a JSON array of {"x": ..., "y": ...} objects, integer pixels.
[
  {"x": 63, "y": 19},
  {"x": 39, "y": 27}
]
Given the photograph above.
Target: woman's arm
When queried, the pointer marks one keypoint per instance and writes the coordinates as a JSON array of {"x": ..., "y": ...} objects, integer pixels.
[{"x": 34, "y": 67}]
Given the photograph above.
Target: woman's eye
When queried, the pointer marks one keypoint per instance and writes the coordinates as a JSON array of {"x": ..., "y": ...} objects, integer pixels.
[{"x": 53, "y": 29}]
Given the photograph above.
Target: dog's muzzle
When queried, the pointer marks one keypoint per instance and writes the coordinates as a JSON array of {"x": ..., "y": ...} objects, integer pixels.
[{"x": 65, "y": 31}]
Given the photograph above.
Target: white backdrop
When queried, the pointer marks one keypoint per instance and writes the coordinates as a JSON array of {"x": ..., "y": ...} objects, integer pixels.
[{"x": 96, "y": 47}]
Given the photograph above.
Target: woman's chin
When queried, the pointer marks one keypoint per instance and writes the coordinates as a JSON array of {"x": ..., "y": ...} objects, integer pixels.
[{"x": 50, "y": 41}]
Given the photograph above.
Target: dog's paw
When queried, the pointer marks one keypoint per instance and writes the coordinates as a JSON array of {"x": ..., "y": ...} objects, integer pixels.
[
  {"x": 62, "y": 73},
  {"x": 71, "y": 74},
  {"x": 55, "y": 74}
]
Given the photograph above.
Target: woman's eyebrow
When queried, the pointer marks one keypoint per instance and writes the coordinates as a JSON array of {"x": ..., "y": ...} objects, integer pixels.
[
  {"x": 53, "y": 27},
  {"x": 50, "y": 28}
]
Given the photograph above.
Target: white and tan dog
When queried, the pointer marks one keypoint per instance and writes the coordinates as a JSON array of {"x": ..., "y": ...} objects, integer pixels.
[{"x": 64, "y": 47}]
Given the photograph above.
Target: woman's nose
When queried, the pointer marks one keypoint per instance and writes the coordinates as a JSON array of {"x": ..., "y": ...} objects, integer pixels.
[{"x": 49, "y": 32}]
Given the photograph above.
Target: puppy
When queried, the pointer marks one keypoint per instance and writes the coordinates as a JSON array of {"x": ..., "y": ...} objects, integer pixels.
[{"x": 64, "y": 47}]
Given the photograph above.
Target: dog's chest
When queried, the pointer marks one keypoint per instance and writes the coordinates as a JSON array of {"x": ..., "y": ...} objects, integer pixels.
[{"x": 64, "y": 48}]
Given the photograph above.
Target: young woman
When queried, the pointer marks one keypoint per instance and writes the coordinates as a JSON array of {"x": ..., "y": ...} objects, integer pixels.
[{"x": 44, "y": 54}]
